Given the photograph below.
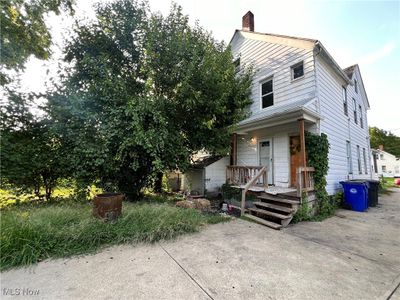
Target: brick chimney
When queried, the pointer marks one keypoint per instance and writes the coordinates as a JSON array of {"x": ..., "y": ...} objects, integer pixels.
[
  {"x": 248, "y": 22},
  {"x": 381, "y": 147}
]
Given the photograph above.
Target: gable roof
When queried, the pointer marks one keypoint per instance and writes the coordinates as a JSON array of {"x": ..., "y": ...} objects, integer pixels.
[
  {"x": 297, "y": 42},
  {"x": 205, "y": 161},
  {"x": 350, "y": 71}
]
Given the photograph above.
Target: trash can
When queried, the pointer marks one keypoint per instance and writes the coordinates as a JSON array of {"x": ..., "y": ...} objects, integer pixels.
[
  {"x": 356, "y": 194},
  {"x": 373, "y": 189},
  {"x": 373, "y": 192}
]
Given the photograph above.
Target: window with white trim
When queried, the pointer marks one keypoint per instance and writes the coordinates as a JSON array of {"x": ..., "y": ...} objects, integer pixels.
[
  {"x": 355, "y": 110},
  {"x": 356, "y": 86},
  {"x": 365, "y": 161},
  {"x": 297, "y": 70},
  {"x": 359, "y": 160},
  {"x": 349, "y": 163},
  {"x": 236, "y": 64},
  {"x": 267, "y": 93},
  {"x": 361, "y": 116},
  {"x": 344, "y": 97}
]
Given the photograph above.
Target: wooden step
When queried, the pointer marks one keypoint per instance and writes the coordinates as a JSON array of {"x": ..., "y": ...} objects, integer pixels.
[
  {"x": 277, "y": 199},
  {"x": 274, "y": 206},
  {"x": 264, "y": 222},
  {"x": 270, "y": 213}
]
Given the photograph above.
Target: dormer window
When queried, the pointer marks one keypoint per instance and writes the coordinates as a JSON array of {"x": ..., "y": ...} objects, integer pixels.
[
  {"x": 297, "y": 70},
  {"x": 267, "y": 93}
]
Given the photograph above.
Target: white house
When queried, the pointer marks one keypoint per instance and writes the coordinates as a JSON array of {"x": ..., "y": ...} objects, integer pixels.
[
  {"x": 385, "y": 164},
  {"x": 297, "y": 87},
  {"x": 298, "y": 83}
]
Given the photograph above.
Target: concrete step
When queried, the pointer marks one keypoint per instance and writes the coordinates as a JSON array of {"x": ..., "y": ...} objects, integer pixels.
[
  {"x": 274, "y": 206},
  {"x": 270, "y": 213},
  {"x": 264, "y": 222}
]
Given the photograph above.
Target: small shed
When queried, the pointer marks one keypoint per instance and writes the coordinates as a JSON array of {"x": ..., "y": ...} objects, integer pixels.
[{"x": 206, "y": 176}]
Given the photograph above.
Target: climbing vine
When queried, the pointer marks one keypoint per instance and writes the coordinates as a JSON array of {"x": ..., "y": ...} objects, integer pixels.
[{"x": 317, "y": 156}]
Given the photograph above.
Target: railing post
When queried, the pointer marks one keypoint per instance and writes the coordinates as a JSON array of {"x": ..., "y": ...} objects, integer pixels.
[{"x": 243, "y": 204}]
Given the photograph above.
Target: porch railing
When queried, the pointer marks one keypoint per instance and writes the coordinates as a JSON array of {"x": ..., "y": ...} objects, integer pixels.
[
  {"x": 241, "y": 175},
  {"x": 305, "y": 180},
  {"x": 246, "y": 177}
]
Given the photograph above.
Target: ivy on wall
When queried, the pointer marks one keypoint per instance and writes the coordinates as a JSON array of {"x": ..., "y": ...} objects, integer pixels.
[{"x": 317, "y": 156}]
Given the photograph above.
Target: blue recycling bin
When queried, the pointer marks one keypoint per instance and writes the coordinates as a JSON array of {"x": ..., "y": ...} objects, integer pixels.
[{"x": 356, "y": 194}]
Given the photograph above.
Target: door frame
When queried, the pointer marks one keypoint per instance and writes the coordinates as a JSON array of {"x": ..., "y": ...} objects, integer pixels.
[{"x": 271, "y": 140}]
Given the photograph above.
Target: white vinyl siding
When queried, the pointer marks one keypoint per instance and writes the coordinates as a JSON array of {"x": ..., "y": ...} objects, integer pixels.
[
  {"x": 215, "y": 175},
  {"x": 339, "y": 127},
  {"x": 272, "y": 59}
]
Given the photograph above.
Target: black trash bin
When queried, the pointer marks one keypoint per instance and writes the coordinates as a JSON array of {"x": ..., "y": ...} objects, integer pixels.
[
  {"x": 373, "y": 192},
  {"x": 373, "y": 188}
]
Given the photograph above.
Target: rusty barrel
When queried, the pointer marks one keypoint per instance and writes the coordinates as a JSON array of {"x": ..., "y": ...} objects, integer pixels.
[{"x": 107, "y": 206}]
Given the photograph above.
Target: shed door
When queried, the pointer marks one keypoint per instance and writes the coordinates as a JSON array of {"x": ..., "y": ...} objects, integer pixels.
[{"x": 265, "y": 157}]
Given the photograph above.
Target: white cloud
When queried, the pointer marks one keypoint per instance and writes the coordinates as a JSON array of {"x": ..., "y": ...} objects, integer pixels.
[{"x": 372, "y": 57}]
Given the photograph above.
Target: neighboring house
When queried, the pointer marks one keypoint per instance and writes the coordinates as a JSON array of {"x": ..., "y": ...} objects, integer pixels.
[
  {"x": 297, "y": 87},
  {"x": 385, "y": 164}
]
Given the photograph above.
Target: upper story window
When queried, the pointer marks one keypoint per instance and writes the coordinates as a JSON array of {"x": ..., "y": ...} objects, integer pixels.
[
  {"x": 361, "y": 116},
  {"x": 381, "y": 157},
  {"x": 297, "y": 70},
  {"x": 356, "y": 86},
  {"x": 355, "y": 110},
  {"x": 236, "y": 64},
  {"x": 267, "y": 93},
  {"x": 344, "y": 96}
]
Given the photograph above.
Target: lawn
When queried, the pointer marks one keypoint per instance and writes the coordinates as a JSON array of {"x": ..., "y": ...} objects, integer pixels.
[{"x": 32, "y": 233}]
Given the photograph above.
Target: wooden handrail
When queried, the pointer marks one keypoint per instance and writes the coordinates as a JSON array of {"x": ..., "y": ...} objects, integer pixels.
[{"x": 262, "y": 171}]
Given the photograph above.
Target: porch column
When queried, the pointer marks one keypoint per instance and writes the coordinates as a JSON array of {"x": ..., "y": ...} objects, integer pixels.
[
  {"x": 302, "y": 177},
  {"x": 302, "y": 143},
  {"x": 234, "y": 150}
]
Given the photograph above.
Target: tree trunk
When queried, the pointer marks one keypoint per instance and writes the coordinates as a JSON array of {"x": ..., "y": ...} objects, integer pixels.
[{"x": 158, "y": 183}]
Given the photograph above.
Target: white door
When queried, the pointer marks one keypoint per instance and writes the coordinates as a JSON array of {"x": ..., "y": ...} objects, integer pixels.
[{"x": 265, "y": 157}]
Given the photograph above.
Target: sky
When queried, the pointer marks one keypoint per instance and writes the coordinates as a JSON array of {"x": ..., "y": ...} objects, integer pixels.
[{"x": 363, "y": 32}]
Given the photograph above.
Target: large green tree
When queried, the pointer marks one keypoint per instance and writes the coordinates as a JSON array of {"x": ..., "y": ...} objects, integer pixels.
[
  {"x": 388, "y": 140},
  {"x": 143, "y": 93},
  {"x": 32, "y": 156},
  {"x": 24, "y": 31}
]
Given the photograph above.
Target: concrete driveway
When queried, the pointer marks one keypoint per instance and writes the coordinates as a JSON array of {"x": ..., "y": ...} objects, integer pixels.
[{"x": 349, "y": 256}]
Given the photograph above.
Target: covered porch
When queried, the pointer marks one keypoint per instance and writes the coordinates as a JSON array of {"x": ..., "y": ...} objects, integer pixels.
[{"x": 269, "y": 155}]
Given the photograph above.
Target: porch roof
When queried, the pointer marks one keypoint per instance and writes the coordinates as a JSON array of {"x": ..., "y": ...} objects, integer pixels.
[{"x": 281, "y": 114}]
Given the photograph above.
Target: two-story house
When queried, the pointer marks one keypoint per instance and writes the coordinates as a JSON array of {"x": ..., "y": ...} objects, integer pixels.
[{"x": 297, "y": 87}]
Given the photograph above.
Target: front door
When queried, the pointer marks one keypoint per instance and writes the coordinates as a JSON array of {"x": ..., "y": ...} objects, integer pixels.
[
  {"x": 265, "y": 157},
  {"x": 295, "y": 159}
]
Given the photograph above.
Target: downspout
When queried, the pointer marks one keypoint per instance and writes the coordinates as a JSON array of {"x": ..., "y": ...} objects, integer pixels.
[{"x": 315, "y": 54}]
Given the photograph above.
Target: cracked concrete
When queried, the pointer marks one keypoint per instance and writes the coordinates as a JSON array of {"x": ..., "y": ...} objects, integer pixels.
[{"x": 350, "y": 256}]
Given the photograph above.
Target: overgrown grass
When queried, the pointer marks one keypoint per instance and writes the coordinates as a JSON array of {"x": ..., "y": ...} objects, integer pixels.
[{"x": 32, "y": 234}]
